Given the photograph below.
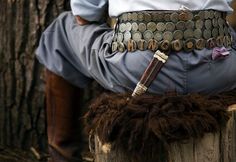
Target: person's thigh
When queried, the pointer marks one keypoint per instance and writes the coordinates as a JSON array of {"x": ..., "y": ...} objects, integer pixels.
[{"x": 211, "y": 76}]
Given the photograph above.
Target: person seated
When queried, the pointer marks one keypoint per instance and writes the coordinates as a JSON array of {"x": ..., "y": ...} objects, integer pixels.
[{"x": 193, "y": 38}]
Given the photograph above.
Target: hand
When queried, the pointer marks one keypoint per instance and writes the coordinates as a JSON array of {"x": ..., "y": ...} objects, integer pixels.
[{"x": 81, "y": 21}]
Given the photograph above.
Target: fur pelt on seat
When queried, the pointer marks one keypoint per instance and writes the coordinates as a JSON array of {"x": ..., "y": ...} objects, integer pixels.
[{"x": 140, "y": 123}]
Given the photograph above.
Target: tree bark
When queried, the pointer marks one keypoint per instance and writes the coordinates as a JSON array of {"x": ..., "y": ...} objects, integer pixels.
[
  {"x": 22, "y": 119},
  {"x": 219, "y": 147}
]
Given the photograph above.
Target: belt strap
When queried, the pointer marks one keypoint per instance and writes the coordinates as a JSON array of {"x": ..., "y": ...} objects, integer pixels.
[
  {"x": 151, "y": 72},
  {"x": 171, "y": 30}
]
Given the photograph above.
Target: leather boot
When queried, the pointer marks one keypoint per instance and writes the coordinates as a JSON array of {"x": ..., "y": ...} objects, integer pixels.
[{"x": 62, "y": 108}]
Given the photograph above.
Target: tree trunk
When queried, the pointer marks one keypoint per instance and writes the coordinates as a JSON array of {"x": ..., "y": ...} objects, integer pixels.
[
  {"x": 219, "y": 147},
  {"x": 22, "y": 100},
  {"x": 22, "y": 119}
]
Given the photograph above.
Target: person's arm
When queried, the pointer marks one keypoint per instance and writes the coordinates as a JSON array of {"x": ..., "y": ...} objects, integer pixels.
[
  {"x": 81, "y": 21},
  {"x": 229, "y": 1},
  {"x": 89, "y": 10}
]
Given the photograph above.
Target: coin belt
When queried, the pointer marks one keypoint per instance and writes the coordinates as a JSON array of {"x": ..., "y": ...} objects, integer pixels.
[{"x": 171, "y": 30}]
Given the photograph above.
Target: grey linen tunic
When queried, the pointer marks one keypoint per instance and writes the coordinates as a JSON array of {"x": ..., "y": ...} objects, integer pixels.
[{"x": 83, "y": 53}]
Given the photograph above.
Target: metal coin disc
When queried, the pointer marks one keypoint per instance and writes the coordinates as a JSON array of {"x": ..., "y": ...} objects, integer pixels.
[
  {"x": 200, "y": 44},
  {"x": 140, "y": 17},
  {"x": 221, "y": 31},
  {"x": 147, "y": 35},
  {"x": 174, "y": 17},
  {"x": 134, "y": 16},
  {"x": 201, "y": 14},
  {"x": 211, "y": 43},
  {"x": 215, "y": 32},
  {"x": 121, "y": 47},
  {"x": 152, "y": 26},
  {"x": 221, "y": 22},
  {"x": 188, "y": 33},
  {"x": 226, "y": 31},
  {"x": 142, "y": 44},
  {"x": 183, "y": 16},
  {"x": 167, "y": 36},
  {"x": 160, "y": 17},
  {"x": 134, "y": 26},
  {"x": 180, "y": 25},
  {"x": 207, "y": 34},
  {"x": 189, "y": 24},
  {"x": 158, "y": 36},
  {"x": 137, "y": 36},
  {"x": 217, "y": 14},
  {"x": 161, "y": 26},
  {"x": 219, "y": 41},
  {"x": 127, "y": 36},
  {"x": 147, "y": 17},
  {"x": 199, "y": 24},
  {"x": 207, "y": 14},
  {"x": 128, "y": 26},
  {"x": 167, "y": 17},
  {"x": 214, "y": 23},
  {"x": 129, "y": 17},
  {"x": 120, "y": 37},
  {"x": 114, "y": 46},
  {"x": 131, "y": 45},
  {"x": 165, "y": 45},
  {"x": 177, "y": 45},
  {"x": 178, "y": 34},
  {"x": 170, "y": 26},
  {"x": 122, "y": 27},
  {"x": 196, "y": 17},
  {"x": 227, "y": 41},
  {"x": 211, "y": 14},
  {"x": 190, "y": 16},
  {"x": 124, "y": 17},
  {"x": 197, "y": 33},
  {"x": 152, "y": 45},
  {"x": 189, "y": 45},
  {"x": 155, "y": 17},
  {"x": 208, "y": 24},
  {"x": 142, "y": 27}
]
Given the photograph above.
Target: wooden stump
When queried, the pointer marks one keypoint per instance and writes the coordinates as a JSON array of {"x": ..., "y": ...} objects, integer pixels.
[{"x": 219, "y": 147}]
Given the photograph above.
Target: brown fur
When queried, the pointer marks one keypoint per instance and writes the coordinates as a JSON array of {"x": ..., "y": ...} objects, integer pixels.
[{"x": 140, "y": 123}]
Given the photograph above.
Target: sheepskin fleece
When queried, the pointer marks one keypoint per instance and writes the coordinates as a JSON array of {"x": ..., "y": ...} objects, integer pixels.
[{"x": 136, "y": 124}]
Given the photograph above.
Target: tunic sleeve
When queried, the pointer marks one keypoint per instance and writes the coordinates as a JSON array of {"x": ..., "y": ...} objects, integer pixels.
[{"x": 91, "y": 10}]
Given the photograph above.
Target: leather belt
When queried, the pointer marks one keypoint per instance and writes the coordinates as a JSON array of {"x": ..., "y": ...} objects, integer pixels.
[{"x": 171, "y": 30}]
